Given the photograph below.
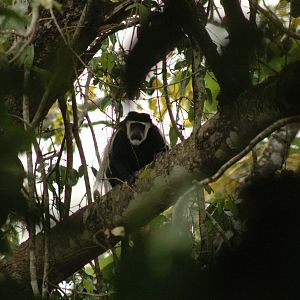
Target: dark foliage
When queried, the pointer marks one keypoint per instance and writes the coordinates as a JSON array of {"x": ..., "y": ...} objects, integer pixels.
[
  {"x": 264, "y": 266},
  {"x": 13, "y": 140}
]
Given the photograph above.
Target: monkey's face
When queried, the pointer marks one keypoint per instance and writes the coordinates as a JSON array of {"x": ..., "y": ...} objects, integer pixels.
[{"x": 137, "y": 131}]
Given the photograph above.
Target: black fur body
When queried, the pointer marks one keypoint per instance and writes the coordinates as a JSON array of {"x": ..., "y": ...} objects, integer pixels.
[{"x": 124, "y": 157}]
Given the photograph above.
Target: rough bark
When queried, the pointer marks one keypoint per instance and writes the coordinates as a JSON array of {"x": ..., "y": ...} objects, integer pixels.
[{"x": 86, "y": 234}]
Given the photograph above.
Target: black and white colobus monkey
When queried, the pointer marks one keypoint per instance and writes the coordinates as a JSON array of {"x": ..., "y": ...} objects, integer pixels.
[{"x": 135, "y": 144}]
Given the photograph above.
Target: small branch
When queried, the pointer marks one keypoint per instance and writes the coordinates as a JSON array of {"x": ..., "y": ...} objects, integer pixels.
[
  {"x": 85, "y": 95},
  {"x": 99, "y": 277},
  {"x": 57, "y": 25},
  {"x": 31, "y": 183},
  {"x": 41, "y": 161},
  {"x": 80, "y": 150},
  {"x": 169, "y": 107},
  {"x": 235, "y": 18},
  {"x": 94, "y": 138},
  {"x": 253, "y": 12},
  {"x": 198, "y": 86},
  {"x": 254, "y": 160},
  {"x": 42, "y": 105},
  {"x": 69, "y": 149},
  {"x": 12, "y": 32},
  {"x": 202, "y": 218},
  {"x": 81, "y": 24}
]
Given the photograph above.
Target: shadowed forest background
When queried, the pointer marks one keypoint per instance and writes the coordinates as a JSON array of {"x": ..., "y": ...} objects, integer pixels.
[{"x": 215, "y": 216}]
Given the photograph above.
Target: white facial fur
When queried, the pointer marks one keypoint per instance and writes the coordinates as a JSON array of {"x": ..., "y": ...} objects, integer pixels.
[{"x": 135, "y": 142}]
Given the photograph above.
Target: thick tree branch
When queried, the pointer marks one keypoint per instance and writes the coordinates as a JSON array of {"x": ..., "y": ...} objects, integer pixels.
[
  {"x": 235, "y": 18},
  {"x": 187, "y": 10}
]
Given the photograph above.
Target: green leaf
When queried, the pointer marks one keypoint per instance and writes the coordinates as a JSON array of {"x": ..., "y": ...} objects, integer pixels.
[
  {"x": 208, "y": 189},
  {"x": 94, "y": 170},
  {"x": 209, "y": 96},
  {"x": 89, "y": 271},
  {"x": 183, "y": 84},
  {"x": 191, "y": 114},
  {"x": 212, "y": 90},
  {"x": 62, "y": 179},
  {"x": 87, "y": 285},
  {"x": 144, "y": 13},
  {"x": 73, "y": 178},
  {"x": 108, "y": 272},
  {"x": 107, "y": 61},
  {"x": 81, "y": 171},
  {"x": 173, "y": 136},
  {"x": 105, "y": 259},
  {"x": 180, "y": 64},
  {"x": 105, "y": 102},
  {"x": 105, "y": 44},
  {"x": 113, "y": 39},
  {"x": 134, "y": 5},
  {"x": 12, "y": 18},
  {"x": 189, "y": 56},
  {"x": 231, "y": 206}
]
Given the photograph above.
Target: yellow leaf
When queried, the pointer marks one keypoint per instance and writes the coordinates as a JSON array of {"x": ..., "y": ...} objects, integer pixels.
[
  {"x": 153, "y": 105},
  {"x": 156, "y": 83},
  {"x": 92, "y": 94}
]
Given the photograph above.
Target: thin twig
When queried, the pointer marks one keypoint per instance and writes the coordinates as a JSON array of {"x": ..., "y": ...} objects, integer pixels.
[
  {"x": 166, "y": 94},
  {"x": 80, "y": 150},
  {"x": 69, "y": 149},
  {"x": 99, "y": 277},
  {"x": 41, "y": 161},
  {"x": 86, "y": 95},
  {"x": 57, "y": 26},
  {"x": 198, "y": 86},
  {"x": 31, "y": 183},
  {"x": 202, "y": 218},
  {"x": 94, "y": 138}
]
